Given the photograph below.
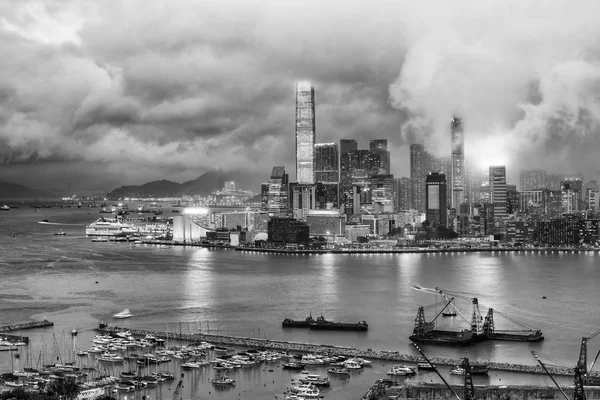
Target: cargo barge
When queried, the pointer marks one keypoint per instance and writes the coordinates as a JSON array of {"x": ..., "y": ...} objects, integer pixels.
[{"x": 322, "y": 324}]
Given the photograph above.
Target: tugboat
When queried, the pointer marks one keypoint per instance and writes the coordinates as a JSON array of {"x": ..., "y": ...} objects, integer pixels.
[{"x": 60, "y": 233}]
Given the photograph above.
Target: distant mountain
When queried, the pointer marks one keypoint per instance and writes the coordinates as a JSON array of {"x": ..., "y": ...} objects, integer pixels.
[
  {"x": 201, "y": 186},
  {"x": 9, "y": 190}
]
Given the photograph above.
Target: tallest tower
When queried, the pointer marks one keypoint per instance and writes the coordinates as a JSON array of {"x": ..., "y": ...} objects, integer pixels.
[
  {"x": 305, "y": 132},
  {"x": 457, "y": 179}
]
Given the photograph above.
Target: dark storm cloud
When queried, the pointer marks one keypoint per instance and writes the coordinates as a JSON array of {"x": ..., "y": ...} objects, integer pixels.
[{"x": 168, "y": 87}]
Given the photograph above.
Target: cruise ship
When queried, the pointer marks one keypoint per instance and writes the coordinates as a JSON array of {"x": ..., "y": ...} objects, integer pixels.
[{"x": 104, "y": 227}]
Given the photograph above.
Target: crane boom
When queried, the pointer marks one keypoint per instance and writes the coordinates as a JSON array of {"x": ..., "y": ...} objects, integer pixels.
[
  {"x": 548, "y": 373},
  {"x": 436, "y": 371},
  {"x": 441, "y": 292}
]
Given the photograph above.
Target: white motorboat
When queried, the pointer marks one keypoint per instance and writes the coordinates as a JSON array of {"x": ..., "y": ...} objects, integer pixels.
[
  {"x": 223, "y": 380},
  {"x": 350, "y": 364},
  {"x": 123, "y": 314},
  {"x": 400, "y": 370}
]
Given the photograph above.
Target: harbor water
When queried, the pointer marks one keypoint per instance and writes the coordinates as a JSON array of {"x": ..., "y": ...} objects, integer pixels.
[{"x": 76, "y": 283}]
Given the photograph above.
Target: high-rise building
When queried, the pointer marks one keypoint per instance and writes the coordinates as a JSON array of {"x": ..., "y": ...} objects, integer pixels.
[
  {"x": 347, "y": 164},
  {"x": 326, "y": 162},
  {"x": 275, "y": 192},
  {"x": 303, "y": 197},
  {"x": 379, "y": 147},
  {"x": 571, "y": 195},
  {"x": 403, "y": 193},
  {"x": 512, "y": 199},
  {"x": 418, "y": 172},
  {"x": 533, "y": 179},
  {"x": 435, "y": 200},
  {"x": 497, "y": 180},
  {"x": 305, "y": 132},
  {"x": 383, "y": 193},
  {"x": 347, "y": 145},
  {"x": 457, "y": 178}
]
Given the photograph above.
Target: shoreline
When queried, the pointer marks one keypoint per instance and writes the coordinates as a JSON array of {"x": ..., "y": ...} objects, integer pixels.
[{"x": 381, "y": 355}]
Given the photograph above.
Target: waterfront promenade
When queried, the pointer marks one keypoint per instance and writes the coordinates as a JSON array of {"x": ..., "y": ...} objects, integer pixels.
[{"x": 383, "y": 355}]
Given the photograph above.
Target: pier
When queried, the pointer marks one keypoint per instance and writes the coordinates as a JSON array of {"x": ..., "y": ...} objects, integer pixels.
[
  {"x": 21, "y": 327},
  {"x": 393, "y": 356}
]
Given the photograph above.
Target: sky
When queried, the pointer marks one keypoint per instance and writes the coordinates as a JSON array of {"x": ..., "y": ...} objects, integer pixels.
[{"x": 103, "y": 94}]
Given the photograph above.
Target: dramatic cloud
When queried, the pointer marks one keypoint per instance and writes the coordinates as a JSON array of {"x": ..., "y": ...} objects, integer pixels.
[{"x": 121, "y": 92}]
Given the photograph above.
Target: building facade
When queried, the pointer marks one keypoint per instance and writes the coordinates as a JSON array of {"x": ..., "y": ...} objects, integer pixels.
[
  {"x": 326, "y": 162},
  {"x": 435, "y": 199},
  {"x": 457, "y": 177},
  {"x": 288, "y": 230},
  {"x": 497, "y": 180},
  {"x": 305, "y": 132},
  {"x": 532, "y": 179}
]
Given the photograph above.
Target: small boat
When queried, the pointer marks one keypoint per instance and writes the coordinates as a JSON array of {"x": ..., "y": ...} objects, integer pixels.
[
  {"x": 401, "y": 370},
  {"x": 457, "y": 371},
  {"x": 338, "y": 371},
  {"x": 45, "y": 220},
  {"x": 315, "y": 380},
  {"x": 60, "y": 233},
  {"x": 123, "y": 314},
  {"x": 5, "y": 208},
  {"x": 164, "y": 246},
  {"x": 293, "y": 365},
  {"x": 425, "y": 366},
  {"x": 449, "y": 313},
  {"x": 100, "y": 239},
  {"x": 223, "y": 380}
]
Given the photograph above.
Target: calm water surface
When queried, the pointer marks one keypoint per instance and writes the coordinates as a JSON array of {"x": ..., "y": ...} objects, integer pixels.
[{"x": 76, "y": 283}]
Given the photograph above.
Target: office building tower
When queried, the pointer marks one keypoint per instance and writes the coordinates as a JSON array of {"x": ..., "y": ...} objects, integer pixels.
[
  {"x": 435, "y": 199},
  {"x": 326, "y": 162},
  {"x": 533, "y": 179},
  {"x": 497, "y": 181},
  {"x": 571, "y": 193},
  {"x": 403, "y": 194},
  {"x": 347, "y": 145},
  {"x": 305, "y": 132},
  {"x": 512, "y": 199},
  {"x": 327, "y": 195},
  {"x": 274, "y": 193},
  {"x": 379, "y": 147},
  {"x": 303, "y": 197},
  {"x": 383, "y": 193},
  {"x": 457, "y": 178},
  {"x": 418, "y": 172}
]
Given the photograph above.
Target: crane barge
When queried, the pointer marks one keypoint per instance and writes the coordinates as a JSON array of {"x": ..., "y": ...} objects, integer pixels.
[{"x": 480, "y": 329}]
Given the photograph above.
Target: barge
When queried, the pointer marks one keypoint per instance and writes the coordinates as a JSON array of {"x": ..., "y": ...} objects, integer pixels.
[{"x": 322, "y": 324}]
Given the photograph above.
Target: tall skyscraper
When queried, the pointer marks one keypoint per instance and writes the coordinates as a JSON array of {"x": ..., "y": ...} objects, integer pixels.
[
  {"x": 326, "y": 162},
  {"x": 498, "y": 194},
  {"x": 435, "y": 200},
  {"x": 379, "y": 147},
  {"x": 305, "y": 132},
  {"x": 403, "y": 193},
  {"x": 457, "y": 178},
  {"x": 275, "y": 191},
  {"x": 533, "y": 179},
  {"x": 418, "y": 172}
]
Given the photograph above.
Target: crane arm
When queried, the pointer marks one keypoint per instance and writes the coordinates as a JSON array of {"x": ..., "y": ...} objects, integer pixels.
[
  {"x": 593, "y": 335},
  {"x": 548, "y": 373},
  {"x": 437, "y": 372},
  {"x": 441, "y": 292}
]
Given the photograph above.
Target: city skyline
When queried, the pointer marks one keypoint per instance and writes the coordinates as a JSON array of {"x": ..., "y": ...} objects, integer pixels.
[{"x": 132, "y": 92}]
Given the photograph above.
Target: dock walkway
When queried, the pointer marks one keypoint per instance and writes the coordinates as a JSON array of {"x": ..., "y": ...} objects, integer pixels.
[{"x": 322, "y": 348}]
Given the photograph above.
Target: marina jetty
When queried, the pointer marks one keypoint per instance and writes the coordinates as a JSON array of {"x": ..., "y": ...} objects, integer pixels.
[{"x": 382, "y": 355}]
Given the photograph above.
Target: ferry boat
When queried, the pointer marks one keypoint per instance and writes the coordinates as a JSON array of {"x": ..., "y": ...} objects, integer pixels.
[
  {"x": 123, "y": 314},
  {"x": 104, "y": 227}
]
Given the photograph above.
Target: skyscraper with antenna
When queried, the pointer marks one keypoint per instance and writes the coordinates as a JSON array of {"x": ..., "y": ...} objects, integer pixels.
[{"x": 457, "y": 170}]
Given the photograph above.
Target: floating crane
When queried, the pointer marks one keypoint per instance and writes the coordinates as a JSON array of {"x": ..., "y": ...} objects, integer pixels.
[
  {"x": 582, "y": 362},
  {"x": 578, "y": 393}
]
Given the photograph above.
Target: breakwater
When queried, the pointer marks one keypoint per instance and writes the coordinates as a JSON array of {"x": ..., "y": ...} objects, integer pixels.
[
  {"x": 383, "y": 355},
  {"x": 21, "y": 327},
  {"x": 419, "y": 250},
  {"x": 427, "y": 391}
]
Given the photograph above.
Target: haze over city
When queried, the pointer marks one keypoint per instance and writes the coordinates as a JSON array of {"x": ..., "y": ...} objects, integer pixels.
[{"x": 129, "y": 91}]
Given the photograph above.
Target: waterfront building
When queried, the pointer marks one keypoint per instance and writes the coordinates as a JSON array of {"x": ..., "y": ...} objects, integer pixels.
[
  {"x": 305, "y": 132},
  {"x": 326, "y": 162},
  {"x": 520, "y": 231},
  {"x": 559, "y": 232},
  {"x": 330, "y": 224},
  {"x": 403, "y": 193},
  {"x": 274, "y": 193},
  {"x": 354, "y": 231},
  {"x": 435, "y": 199},
  {"x": 497, "y": 180},
  {"x": 532, "y": 179},
  {"x": 457, "y": 178},
  {"x": 192, "y": 225},
  {"x": 287, "y": 230},
  {"x": 379, "y": 225}
]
